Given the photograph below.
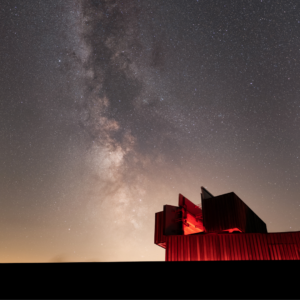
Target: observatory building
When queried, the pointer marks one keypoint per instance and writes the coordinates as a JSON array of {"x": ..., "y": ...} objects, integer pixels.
[{"x": 222, "y": 228}]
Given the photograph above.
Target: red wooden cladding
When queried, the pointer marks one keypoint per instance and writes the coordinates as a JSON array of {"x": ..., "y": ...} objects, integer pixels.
[
  {"x": 159, "y": 237},
  {"x": 233, "y": 246},
  {"x": 229, "y": 211}
]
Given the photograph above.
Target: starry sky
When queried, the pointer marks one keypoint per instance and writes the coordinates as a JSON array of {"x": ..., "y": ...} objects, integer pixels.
[{"x": 111, "y": 108}]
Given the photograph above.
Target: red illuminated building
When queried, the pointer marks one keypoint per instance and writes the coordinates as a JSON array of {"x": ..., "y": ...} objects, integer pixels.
[{"x": 223, "y": 228}]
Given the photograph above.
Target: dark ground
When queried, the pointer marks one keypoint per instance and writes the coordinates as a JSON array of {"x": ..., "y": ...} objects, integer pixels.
[{"x": 155, "y": 280}]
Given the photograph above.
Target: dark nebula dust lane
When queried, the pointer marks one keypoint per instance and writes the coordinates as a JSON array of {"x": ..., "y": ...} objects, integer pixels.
[{"x": 110, "y": 109}]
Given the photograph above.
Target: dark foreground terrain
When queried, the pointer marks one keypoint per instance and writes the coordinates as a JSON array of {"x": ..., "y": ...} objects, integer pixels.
[{"x": 159, "y": 280}]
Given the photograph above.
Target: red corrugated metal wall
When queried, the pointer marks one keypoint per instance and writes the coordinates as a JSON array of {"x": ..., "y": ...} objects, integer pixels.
[
  {"x": 240, "y": 246},
  {"x": 159, "y": 237}
]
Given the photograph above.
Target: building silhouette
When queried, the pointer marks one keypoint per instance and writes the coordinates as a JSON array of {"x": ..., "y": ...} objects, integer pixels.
[{"x": 223, "y": 228}]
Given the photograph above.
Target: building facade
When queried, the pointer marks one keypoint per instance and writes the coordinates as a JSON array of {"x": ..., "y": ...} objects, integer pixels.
[{"x": 223, "y": 228}]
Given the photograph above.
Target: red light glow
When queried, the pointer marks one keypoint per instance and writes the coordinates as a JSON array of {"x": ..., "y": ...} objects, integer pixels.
[
  {"x": 192, "y": 225},
  {"x": 232, "y": 230}
]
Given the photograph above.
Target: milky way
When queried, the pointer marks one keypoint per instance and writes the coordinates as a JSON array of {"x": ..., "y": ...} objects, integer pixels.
[{"x": 110, "y": 109}]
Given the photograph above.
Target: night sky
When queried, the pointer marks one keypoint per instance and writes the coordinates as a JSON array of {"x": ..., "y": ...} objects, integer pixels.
[{"x": 110, "y": 109}]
